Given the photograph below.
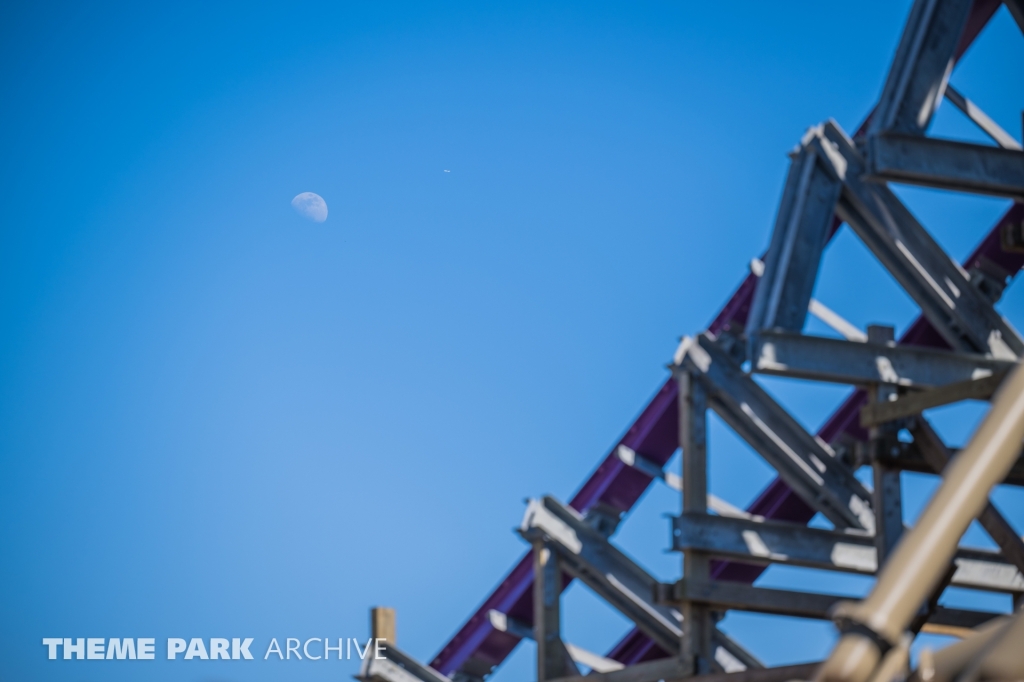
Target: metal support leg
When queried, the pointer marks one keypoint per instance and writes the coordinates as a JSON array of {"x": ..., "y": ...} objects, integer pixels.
[
  {"x": 553, "y": 659},
  {"x": 697, "y": 625},
  {"x": 888, "y": 495},
  {"x": 921, "y": 66},
  {"x": 801, "y": 231},
  {"x": 889, "y": 509}
]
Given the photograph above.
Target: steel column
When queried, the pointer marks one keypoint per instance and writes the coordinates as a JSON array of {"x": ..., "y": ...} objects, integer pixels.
[
  {"x": 693, "y": 405},
  {"x": 552, "y": 657},
  {"x": 801, "y": 231}
]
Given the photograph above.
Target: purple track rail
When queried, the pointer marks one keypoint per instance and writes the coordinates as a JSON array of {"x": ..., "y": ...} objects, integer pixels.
[{"x": 654, "y": 435}]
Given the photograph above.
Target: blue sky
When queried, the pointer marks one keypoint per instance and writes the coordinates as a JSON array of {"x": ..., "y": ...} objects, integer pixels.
[{"x": 220, "y": 420}]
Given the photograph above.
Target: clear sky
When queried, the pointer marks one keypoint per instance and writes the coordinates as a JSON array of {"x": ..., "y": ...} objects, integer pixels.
[{"x": 218, "y": 419}]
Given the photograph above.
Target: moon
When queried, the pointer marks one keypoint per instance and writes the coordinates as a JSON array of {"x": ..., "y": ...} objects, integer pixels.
[{"x": 310, "y": 205}]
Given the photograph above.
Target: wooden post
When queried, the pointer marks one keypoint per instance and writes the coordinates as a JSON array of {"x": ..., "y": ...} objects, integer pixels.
[{"x": 382, "y": 624}]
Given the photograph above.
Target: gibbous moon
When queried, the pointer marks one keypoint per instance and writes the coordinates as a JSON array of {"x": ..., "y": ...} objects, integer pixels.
[{"x": 310, "y": 205}]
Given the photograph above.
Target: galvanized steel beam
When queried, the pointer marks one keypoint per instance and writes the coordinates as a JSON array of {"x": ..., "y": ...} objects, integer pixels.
[
  {"x": 887, "y": 490},
  {"x": 911, "y": 404},
  {"x": 981, "y": 119},
  {"x": 697, "y": 624},
  {"x": 553, "y": 659},
  {"x": 908, "y": 458},
  {"x": 588, "y": 556},
  {"x": 848, "y": 362},
  {"x": 741, "y": 597},
  {"x": 921, "y": 66},
  {"x": 960, "y": 312},
  {"x": 806, "y": 463},
  {"x": 767, "y": 542},
  {"x": 945, "y": 164},
  {"x": 798, "y": 239}
]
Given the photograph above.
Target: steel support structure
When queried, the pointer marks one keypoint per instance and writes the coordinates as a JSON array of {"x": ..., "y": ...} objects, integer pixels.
[
  {"x": 821, "y": 358},
  {"x": 959, "y": 348},
  {"x": 553, "y": 659},
  {"x": 586, "y": 555},
  {"x": 802, "y": 228},
  {"x": 804, "y": 462},
  {"x": 693, "y": 439},
  {"x": 761, "y": 542},
  {"x": 945, "y": 164}
]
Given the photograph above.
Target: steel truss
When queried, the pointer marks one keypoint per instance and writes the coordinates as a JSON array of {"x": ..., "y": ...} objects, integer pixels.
[{"x": 959, "y": 348}]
